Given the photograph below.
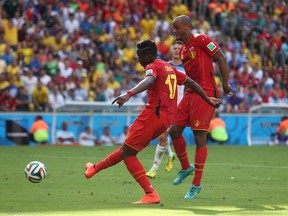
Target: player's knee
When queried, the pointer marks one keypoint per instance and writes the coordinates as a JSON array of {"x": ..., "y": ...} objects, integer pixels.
[
  {"x": 200, "y": 138},
  {"x": 174, "y": 133},
  {"x": 127, "y": 152}
]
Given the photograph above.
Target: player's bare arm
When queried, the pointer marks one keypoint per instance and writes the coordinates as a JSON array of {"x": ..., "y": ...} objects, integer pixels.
[
  {"x": 215, "y": 102},
  {"x": 224, "y": 70},
  {"x": 140, "y": 87}
]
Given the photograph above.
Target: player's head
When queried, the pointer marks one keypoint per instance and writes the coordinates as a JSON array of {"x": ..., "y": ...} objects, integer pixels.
[
  {"x": 146, "y": 51},
  {"x": 182, "y": 27},
  {"x": 176, "y": 46},
  {"x": 38, "y": 118}
]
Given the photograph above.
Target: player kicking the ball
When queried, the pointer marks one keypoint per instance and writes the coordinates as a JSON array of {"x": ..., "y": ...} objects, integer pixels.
[{"x": 161, "y": 82}]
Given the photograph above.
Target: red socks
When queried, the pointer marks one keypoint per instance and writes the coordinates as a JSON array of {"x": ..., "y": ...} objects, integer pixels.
[
  {"x": 112, "y": 159},
  {"x": 200, "y": 159},
  {"x": 137, "y": 171},
  {"x": 133, "y": 165},
  {"x": 180, "y": 149}
]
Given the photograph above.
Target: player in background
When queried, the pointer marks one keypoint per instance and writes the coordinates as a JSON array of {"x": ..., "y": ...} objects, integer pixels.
[
  {"x": 161, "y": 82},
  {"x": 164, "y": 143},
  {"x": 197, "y": 55}
]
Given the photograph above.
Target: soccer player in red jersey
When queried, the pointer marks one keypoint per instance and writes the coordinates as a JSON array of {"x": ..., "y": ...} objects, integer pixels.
[
  {"x": 197, "y": 56},
  {"x": 163, "y": 147},
  {"x": 161, "y": 82}
]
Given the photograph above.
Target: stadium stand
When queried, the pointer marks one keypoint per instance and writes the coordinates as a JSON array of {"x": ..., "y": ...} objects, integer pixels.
[{"x": 87, "y": 47}]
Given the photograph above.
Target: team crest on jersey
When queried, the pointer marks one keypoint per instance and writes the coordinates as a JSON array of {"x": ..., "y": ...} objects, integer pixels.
[
  {"x": 148, "y": 72},
  {"x": 196, "y": 123},
  {"x": 192, "y": 54},
  {"x": 211, "y": 46}
]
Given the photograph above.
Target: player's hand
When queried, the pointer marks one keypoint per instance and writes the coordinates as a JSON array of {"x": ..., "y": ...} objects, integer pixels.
[
  {"x": 227, "y": 89},
  {"x": 121, "y": 99},
  {"x": 215, "y": 102}
]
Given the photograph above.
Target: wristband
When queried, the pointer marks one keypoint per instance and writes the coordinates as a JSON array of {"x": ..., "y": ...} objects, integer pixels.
[{"x": 130, "y": 93}]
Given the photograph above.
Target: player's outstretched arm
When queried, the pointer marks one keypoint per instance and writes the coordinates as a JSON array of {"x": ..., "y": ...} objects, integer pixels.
[
  {"x": 224, "y": 70},
  {"x": 215, "y": 102},
  {"x": 140, "y": 87}
]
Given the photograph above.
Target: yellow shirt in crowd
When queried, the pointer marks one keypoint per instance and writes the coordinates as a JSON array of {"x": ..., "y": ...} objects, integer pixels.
[
  {"x": 40, "y": 95},
  {"x": 10, "y": 34}
]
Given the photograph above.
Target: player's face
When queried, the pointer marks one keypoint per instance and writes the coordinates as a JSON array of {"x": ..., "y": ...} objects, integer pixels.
[
  {"x": 175, "y": 51},
  {"x": 180, "y": 30},
  {"x": 143, "y": 59}
]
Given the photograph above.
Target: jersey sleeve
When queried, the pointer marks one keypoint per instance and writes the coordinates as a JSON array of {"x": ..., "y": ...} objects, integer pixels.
[
  {"x": 151, "y": 70},
  {"x": 181, "y": 77},
  {"x": 208, "y": 45}
]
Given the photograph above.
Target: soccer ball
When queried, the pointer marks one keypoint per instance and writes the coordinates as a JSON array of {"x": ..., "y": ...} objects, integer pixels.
[{"x": 35, "y": 171}]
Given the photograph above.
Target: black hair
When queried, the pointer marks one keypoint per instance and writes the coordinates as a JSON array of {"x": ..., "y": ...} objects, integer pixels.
[
  {"x": 147, "y": 47},
  {"x": 39, "y": 117}
]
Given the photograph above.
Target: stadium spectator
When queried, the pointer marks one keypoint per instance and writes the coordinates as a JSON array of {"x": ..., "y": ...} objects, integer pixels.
[
  {"x": 39, "y": 131},
  {"x": 81, "y": 94},
  {"x": 64, "y": 136},
  {"x": 10, "y": 35},
  {"x": 281, "y": 135},
  {"x": 122, "y": 136},
  {"x": 104, "y": 33},
  {"x": 8, "y": 56},
  {"x": 86, "y": 138},
  {"x": 107, "y": 139},
  {"x": 234, "y": 103},
  {"x": 22, "y": 100},
  {"x": 70, "y": 95},
  {"x": 13, "y": 88},
  {"x": 43, "y": 77},
  {"x": 40, "y": 97},
  {"x": 55, "y": 98},
  {"x": 29, "y": 81},
  {"x": 217, "y": 130},
  {"x": 283, "y": 126},
  {"x": 13, "y": 68},
  {"x": 71, "y": 25},
  {"x": 251, "y": 98},
  {"x": 7, "y": 102}
]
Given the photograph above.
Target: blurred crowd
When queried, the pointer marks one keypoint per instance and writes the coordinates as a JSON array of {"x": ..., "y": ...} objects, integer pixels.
[{"x": 52, "y": 51}]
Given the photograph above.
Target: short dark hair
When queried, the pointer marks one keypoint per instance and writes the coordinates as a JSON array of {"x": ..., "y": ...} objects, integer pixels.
[
  {"x": 178, "y": 42},
  {"x": 147, "y": 47},
  {"x": 39, "y": 117}
]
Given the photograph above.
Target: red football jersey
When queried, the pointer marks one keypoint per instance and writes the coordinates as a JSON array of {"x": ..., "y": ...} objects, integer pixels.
[
  {"x": 196, "y": 56},
  {"x": 163, "y": 93}
]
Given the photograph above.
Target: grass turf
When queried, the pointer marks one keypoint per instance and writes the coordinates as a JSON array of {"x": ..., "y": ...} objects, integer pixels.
[{"x": 237, "y": 181}]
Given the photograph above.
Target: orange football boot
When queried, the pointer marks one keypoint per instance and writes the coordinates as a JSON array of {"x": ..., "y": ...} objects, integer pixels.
[
  {"x": 90, "y": 170},
  {"x": 150, "y": 198}
]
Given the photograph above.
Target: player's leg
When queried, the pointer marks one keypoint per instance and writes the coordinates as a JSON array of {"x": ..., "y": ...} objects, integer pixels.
[
  {"x": 179, "y": 143},
  {"x": 199, "y": 161},
  {"x": 134, "y": 143},
  {"x": 136, "y": 169},
  {"x": 111, "y": 160},
  {"x": 159, "y": 153},
  {"x": 170, "y": 155},
  {"x": 168, "y": 152},
  {"x": 200, "y": 119}
]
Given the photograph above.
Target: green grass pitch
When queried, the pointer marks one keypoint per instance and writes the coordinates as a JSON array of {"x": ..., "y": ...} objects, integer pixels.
[{"x": 237, "y": 181}]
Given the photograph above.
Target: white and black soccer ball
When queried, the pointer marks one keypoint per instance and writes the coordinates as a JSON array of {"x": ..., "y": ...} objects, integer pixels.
[{"x": 35, "y": 171}]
